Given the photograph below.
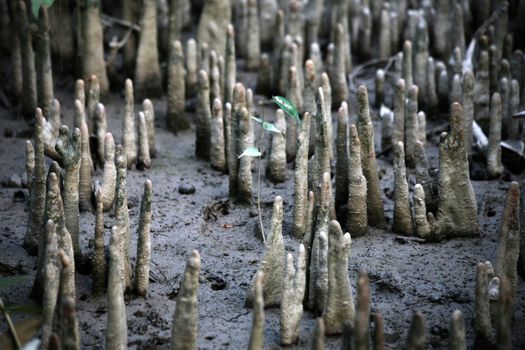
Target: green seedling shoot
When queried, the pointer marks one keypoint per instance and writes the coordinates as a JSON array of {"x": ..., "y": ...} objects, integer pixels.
[
  {"x": 290, "y": 110},
  {"x": 36, "y": 4}
]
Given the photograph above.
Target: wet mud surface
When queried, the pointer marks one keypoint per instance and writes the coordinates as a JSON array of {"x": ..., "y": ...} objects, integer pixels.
[{"x": 405, "y": 275}]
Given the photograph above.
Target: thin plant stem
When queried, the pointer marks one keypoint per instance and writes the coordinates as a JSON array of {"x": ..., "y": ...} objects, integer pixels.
[
  {"x": 11, "y": 325},
  {"x": 261, "y": 134},
  {"x": 259, "y": 201}
]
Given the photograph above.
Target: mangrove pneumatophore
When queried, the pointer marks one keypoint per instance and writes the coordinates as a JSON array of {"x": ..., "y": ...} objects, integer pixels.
[
  {"x": 457, "y": 331},
  {"x": 98, "y": 265},
  {"x": 109, "y": 176},
  {"x": 402, "y": 212},
  {"x": 148, "y": 79},
  {"x": 357, "y": 211},
  {"x": 273, "y": 262},
  {"x": 509, "y": 239},
  {"x": 339, "y": 301},
  {"x": 365, "y": 129},
  {"x": 142, "y": 266},
  {"x": 38, "y": 189},
  {"x": 362, "y": 316},
  {"x": 217, "y": 144},
  {"x": 176, "y": 119},
  {"x": 184, "y": 329},
  {"x": 69, "y": 148},
  {"x": 292, "y": 298},
  {"x": 257, "y": 333},
  {"x": 122, "y": 216},
  {"x": 457, "y": 213},
  {"x": 301, "y": 179},
  {"x": 143, "y": 155},
  {"x": 416, "y": 338},
  {"x": 277, "y": 159},
  {"x": 116, "y": 330}
]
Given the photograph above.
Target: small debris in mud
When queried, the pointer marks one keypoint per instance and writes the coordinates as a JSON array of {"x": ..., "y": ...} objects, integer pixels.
[
  {"x": 387, "y": 281},
  {"x": 156, "y": 320},
  {"x": 25, "y": 134},
  {"x": 217, "y": 282},
  {"x": 8, "y": 132},
  {"x": 9, "y": 270},
  {"x": 216, "y": 209},
  {"x": 19, "y": 196},
  {"x": 132, "y": 202},
  {"x": 389, "y": 193},
  {"x": 186, "y": 189},
  {"x": 176, "y": 286}
]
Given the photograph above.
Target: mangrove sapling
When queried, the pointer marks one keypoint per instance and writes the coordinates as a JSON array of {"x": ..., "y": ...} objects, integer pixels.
[{"x": 254, "y": 151}]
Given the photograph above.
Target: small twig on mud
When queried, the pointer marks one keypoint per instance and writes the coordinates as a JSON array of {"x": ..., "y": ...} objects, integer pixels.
[
  {"x": 519, "y": 115},
  {"x": 109, "y": 20},
  {"x": 10, "y": 324},
  {"x": 404, "y": 240},
  {"x": 117, "y": 45},
  {"x": 231, "y": 318},
  {"x": 357, "y": 70}
]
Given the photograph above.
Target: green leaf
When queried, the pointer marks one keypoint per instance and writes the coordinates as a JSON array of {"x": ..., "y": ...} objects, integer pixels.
[
  {"x": 271, "y": 127},
  {"x": 36, "y": 4},
  {"x": 250, "y": 152},
  {"x": 12, "y": 280},
  {"x": 288, "y": 107},
  {"x": 258, "y": 120}
]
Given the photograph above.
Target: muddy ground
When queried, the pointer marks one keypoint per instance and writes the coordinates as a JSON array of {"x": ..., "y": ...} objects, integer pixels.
[{"x": 405, "y": 276}]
